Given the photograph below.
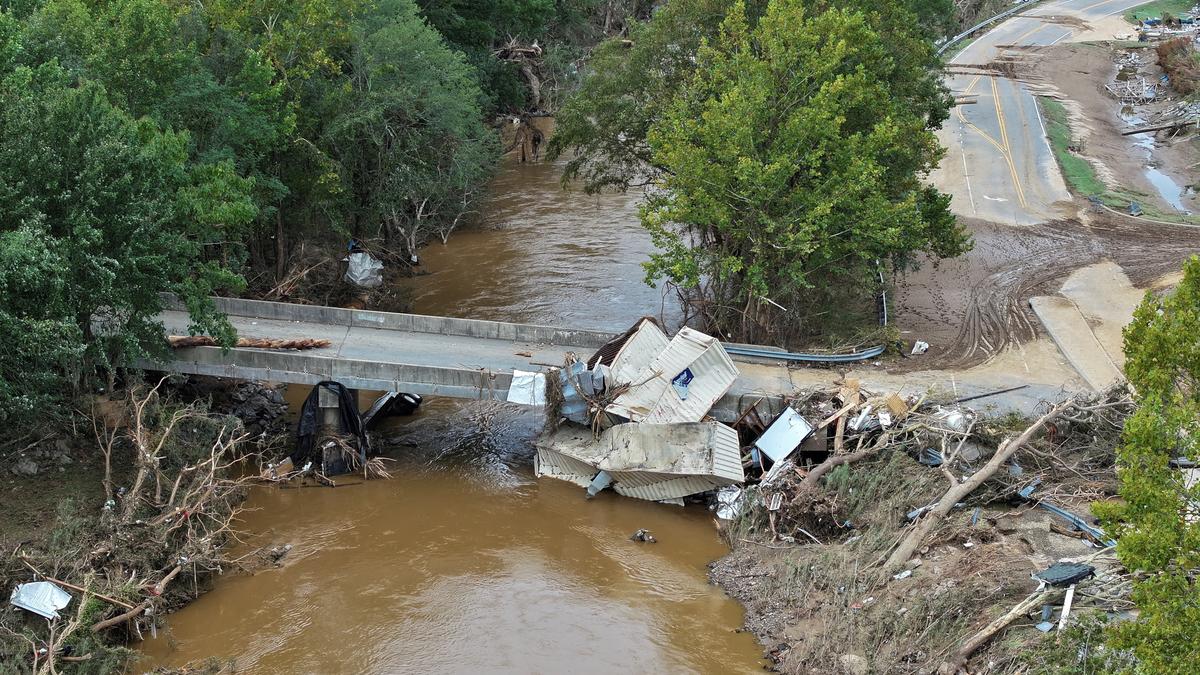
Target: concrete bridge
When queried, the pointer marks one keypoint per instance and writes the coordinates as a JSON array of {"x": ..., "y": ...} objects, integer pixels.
[{"x": 427, "y": 355}]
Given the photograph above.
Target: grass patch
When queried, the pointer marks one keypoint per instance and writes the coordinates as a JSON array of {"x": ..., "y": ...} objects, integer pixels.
[
  {"x": 1078, "y": 172},
  {"x": 1156, "y": 9},
  {"x": 1081, "y": 176}
]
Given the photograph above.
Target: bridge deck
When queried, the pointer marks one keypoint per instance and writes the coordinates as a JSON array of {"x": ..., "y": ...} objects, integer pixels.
[{"x": 402, "y": 352}]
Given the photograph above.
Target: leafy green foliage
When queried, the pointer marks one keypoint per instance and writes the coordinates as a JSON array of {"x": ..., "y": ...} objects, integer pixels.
[
  {"x": 1078, "y": 650},
  {"x": 1157, "y": 523},
  {"x": 790, "y": 163},
  {"x": 603, "y": 128},
  {"x": 409, "y": 133},
  {"x": 101, "y": 213},
  {"x": 477, "y": 28}
]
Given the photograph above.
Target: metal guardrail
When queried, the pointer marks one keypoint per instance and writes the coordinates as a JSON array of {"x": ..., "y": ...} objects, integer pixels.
[
  {"x": 807, "y": 357},
  {"x": 967, "y": 33},
  {"x": 801, "y": 357}
]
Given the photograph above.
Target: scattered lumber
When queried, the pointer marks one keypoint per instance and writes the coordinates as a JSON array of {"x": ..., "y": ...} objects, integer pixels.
[
  {"x": 1174, "y": 124},
  {"x": 179, "y": 341}
]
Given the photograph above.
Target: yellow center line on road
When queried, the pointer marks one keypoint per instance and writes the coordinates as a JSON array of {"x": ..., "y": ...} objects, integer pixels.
[
  {"x": 1007, "y": 147},
  {"x": 1004, "y": 148}
]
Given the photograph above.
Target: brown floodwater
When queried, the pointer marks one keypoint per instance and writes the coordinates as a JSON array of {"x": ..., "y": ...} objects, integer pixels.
[
  {"x": 545, "y": 255},
  {"x": 464, "y": 562}
]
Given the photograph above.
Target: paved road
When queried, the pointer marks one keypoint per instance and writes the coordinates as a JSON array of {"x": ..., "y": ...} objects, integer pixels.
[
  {"x": 998, "y": 165},
  {"x": 425, "y": 355},
  {"x": 475, "y": 359}
]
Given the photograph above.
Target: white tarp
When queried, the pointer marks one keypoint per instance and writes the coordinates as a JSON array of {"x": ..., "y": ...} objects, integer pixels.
[
  {"x": 784, "y": 435},
  {"x": 681, "y": 384},
  {"x": 40, "y": 597},
  {"x": 527, "y": 388},
  {"x": 363, "y": 270}
]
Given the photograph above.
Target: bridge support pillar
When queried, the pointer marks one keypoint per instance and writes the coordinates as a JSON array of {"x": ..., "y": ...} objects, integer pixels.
[{"x": 330, "y": 415}]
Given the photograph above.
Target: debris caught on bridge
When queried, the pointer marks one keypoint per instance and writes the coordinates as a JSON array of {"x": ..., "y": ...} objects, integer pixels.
[
  {"x": 646, "y": 461},
  {"x": 634, "y": 414},
  {"x": 391, "y": 404},
  {"x": 527, "y": 388},
  {"x": 295, "y": 344},
  {"x": 680, "y": 384}
]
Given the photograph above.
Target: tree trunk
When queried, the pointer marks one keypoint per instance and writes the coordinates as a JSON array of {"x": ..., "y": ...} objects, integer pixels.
[
  {"x": 956, "y": 493},
  {"x": 280, "y": 247}
]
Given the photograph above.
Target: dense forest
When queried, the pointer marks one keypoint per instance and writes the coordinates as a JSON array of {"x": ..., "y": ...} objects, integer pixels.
[{"x": 152, "y": 146}]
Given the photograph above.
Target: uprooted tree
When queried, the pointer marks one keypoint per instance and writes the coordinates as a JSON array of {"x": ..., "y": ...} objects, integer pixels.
[
  {"x": 157, "y": 538},
  {"x": 1157, "y": 520}
]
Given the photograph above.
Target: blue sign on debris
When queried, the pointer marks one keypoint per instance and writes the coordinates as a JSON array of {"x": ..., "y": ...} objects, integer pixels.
[{"x": 681, "y": 383}]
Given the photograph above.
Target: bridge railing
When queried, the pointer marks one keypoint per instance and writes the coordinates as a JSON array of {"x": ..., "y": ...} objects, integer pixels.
[{"x": 415, "y": 323}]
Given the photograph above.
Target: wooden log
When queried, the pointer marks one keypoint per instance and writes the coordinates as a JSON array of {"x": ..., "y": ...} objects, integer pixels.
[{"x": 1159, "y": 127}]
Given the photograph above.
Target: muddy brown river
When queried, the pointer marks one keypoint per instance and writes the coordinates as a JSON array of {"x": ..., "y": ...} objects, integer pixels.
[{"x": 464, "y": 561}]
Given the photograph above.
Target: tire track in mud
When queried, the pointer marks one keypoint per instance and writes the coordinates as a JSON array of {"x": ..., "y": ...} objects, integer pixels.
[{"x": 972, "y": 308}]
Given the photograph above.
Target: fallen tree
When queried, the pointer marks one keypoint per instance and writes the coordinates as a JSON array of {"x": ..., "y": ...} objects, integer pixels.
[
  {"x": 1008, "y": 448},
  {"x": 171, "y": 500}
]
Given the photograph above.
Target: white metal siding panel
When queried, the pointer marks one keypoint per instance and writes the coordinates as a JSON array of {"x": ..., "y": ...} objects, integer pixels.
[
  {"x": 550, "y": 463},
  {"x": 646, "y": 343},
  {"x": 671, "y": 489},
  {"x": 656, "y": 400},
  {"x": 646, "y": 461},
  {"x": 727, "y": 454}
]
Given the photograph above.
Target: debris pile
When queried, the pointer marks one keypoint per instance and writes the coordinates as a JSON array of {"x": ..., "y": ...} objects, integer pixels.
[
  {"x": 632, "y": 417},
  {"x": 261, "y": 408},
  {"x": 905, "y": 526}
]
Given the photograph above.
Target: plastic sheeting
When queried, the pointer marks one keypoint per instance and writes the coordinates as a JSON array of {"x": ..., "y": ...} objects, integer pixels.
[
  {"x": 40, "y": 597},
  {"x": 364, "y": 270}
]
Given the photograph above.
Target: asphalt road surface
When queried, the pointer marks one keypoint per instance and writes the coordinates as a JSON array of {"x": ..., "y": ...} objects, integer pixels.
[{"x": 998, "y": 165}]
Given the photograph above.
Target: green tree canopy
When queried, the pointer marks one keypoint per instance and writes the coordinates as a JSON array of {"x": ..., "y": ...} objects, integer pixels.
[
  {"x": 99, "y": 213},
  {"x": 1157, "y": 523},
  {"x": 409, "y": 132},
  {"x": 630, "y": 82},
  {"x": 790, "y": 165}
]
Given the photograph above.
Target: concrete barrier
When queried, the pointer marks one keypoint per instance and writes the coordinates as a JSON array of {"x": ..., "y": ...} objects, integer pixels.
[
  {"x": 413, "y": 323},
  {"x": 300, "y": 368}
]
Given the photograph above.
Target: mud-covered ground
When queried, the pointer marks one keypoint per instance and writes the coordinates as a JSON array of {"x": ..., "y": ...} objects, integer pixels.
[{"x": 973, "y": 307}]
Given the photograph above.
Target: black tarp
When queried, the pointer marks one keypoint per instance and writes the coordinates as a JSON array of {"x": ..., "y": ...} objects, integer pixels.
[{"x": 310, "y": 423}]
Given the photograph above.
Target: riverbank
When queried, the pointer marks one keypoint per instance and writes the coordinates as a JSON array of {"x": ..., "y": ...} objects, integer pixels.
[
  {"x": 824, "y": 592},
  {"x": 129, "y": 511}
]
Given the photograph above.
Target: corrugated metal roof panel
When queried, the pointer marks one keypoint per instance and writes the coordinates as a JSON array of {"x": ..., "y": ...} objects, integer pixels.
[
  {"x": 655, "y": 400},
  {"x": 645, "y": 344},
  {"x": 547, "y": 462},
  {"x": 674, "y": 488},
  {"x": 648, "y": 461}
]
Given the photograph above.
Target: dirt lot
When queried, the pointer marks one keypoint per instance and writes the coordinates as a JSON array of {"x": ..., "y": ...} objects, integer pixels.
[
  {"x": 1077, "y": 75},
  {"x": 973, "y": 307}
]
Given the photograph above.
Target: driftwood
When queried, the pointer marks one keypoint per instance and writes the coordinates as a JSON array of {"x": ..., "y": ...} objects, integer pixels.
[
  {"x": 1174, "y": 124},
  {"x": 958, "y": 662},
  {"x": 958, "y": 491},
  {"x": 178, "y": 341}
]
